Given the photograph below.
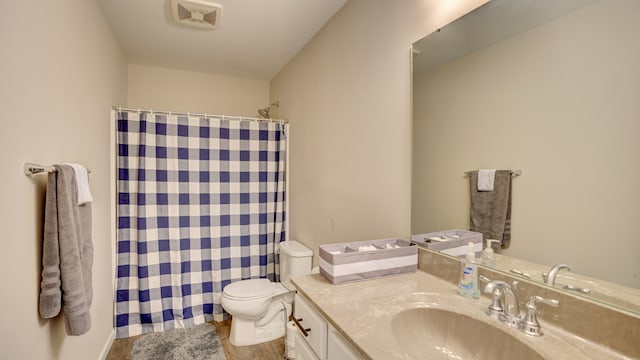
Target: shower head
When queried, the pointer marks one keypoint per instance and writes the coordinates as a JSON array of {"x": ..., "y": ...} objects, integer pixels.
[{"x": 264, "y": 113}]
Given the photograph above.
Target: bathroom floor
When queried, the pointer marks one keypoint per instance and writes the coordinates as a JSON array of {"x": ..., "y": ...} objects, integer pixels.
[{"x": 273, "y": 350}]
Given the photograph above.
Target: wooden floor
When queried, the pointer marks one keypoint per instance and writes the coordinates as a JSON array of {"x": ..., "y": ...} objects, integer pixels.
[{"x": 273, "y": 350}]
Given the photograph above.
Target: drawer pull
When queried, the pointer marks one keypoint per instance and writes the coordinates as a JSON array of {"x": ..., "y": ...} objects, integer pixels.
[{"x": 304, "y": 331}]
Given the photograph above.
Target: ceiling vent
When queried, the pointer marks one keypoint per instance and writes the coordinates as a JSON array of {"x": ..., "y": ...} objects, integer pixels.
[{"x": 197, "y": 13}]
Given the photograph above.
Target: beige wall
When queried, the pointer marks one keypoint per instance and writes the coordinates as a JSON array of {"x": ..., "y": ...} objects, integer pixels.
[
  {"x": 573, "y": 132},
  {"x": 347, "y": 97},
  {"x": 179, "y": 90},
  {"x": 61, "y": 70}
]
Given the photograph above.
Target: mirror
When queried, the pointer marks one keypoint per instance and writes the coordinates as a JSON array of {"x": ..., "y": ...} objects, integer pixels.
[{"x": 550, "y": 88}]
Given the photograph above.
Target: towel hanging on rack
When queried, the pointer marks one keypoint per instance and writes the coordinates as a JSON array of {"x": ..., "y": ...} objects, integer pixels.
[
  {"x": 490, "y": 212},
  {"x": 82, "y": 184},
  {"x": 486, "y": 179},
  {"x": 67, "y": 254}
]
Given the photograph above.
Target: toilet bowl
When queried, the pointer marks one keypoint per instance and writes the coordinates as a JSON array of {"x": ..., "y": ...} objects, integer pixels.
[{"x": 260, "y": 308}]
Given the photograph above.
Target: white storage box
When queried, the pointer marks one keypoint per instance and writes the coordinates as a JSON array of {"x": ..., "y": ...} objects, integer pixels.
[
  {"x": 453, "y": 242},
  {"x": 346, "y": 262}
]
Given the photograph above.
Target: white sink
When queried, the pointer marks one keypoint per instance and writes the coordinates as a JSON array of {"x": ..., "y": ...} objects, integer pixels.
[
  {"x": 419, "y": 316},
  {"x": 432, "y": 333}
]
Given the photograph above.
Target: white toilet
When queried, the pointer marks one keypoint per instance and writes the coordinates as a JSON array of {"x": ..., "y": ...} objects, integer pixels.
[{"x": 259, "y": 308}]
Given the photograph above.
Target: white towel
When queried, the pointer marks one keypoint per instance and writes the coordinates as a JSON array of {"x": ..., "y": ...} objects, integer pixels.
[
  {"x": 82, "y": 182},
  {"x": 367, "y": 248},
  {"x": 485, "y": 179}
]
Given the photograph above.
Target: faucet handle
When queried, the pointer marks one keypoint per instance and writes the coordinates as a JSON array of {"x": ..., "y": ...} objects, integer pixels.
[
  {"x": 529, "y": 323},
  {"x": 495, "y": 309},
  {"x": 578, "y": 289},
  {"x": 521, "y": 273},
  {"x": 535, "y": 298}
]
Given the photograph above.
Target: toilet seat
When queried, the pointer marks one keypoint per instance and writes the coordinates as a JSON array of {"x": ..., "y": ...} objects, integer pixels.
[{"x": 249, "y": 289}]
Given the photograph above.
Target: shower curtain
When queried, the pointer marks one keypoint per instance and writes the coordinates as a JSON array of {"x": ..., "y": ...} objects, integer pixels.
[{"x": 201, "y": 204}]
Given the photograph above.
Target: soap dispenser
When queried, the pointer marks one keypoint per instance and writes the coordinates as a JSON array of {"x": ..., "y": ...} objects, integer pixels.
[
  {"x": 488, "y": 256},
  {"x": 468, "y": 285}
]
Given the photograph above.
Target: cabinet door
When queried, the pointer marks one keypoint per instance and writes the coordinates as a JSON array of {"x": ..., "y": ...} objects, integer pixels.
[
  {"x": 316, "y": 325},
  {"x": 303, "y": 350},
  {"x": 337, "y": 348}
]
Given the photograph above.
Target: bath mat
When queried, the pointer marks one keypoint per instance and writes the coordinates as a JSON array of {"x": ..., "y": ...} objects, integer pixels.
[{"x": 196, "y": 343}]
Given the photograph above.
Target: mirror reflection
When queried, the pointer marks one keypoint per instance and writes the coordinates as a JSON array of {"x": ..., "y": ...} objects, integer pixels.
[{"x": 551, "y": 88}]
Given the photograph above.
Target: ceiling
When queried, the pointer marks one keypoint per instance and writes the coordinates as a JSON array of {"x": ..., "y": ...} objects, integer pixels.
[
  {"x": 489, "y": 24},
  {"x": 255, "y": 39}
]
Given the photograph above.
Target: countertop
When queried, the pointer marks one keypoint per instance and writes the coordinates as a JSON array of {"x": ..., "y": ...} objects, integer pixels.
[
  {"x": 362, "y": 312},
  {"x": 611, "y": 294}
]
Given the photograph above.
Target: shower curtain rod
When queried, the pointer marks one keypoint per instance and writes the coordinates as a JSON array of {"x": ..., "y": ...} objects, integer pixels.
[{"x": 223, "y": 117}]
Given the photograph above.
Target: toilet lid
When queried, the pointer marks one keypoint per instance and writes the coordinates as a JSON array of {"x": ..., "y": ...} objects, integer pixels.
[{"x": 248, "y": 289}]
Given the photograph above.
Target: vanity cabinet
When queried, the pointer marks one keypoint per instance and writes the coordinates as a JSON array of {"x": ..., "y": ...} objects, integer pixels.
[
  {"x": 303, "y": 349},
  {"x": 322, "y": 341},
  {"x": 314, "y": 325},
  {"x": 337, "y": 347}
]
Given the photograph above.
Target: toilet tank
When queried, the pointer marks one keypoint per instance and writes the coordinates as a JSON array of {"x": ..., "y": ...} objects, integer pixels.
[{"x": 295, "y": 260}]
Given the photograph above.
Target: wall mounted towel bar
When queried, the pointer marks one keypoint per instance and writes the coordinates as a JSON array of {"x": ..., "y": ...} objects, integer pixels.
[
  {"x": 31, "y": 169},
  {"x": 513, "y": 172}
]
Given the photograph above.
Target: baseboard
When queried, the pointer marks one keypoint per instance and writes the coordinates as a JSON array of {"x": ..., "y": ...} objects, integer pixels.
[{"x": 107, "y": 345}]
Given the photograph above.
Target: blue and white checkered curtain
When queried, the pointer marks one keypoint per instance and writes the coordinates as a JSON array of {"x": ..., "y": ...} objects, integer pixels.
[{"x": 200, "y": 205}]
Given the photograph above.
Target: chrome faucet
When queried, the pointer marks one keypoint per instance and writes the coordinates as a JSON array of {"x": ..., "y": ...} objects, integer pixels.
[
  {"x": 510, "y": 313},
  {"x": 550, "y": 278}
]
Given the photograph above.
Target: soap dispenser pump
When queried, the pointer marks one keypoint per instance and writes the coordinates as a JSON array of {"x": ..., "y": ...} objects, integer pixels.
[
  {"x": 468, "y": 285},
  {"x": 488, "y": 256}
]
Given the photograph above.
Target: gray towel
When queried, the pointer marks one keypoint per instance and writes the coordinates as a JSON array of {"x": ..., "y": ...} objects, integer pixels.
[
  {"x": 491, "y": 210},
  {"x": 67, "y": 254}
]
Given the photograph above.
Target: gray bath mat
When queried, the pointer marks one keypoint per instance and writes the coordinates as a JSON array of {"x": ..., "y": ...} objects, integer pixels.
[{"x": 196, "y": 343}]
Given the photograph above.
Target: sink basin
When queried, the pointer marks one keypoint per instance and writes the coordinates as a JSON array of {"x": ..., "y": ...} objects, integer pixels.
[{"x": 432, "y": 333}]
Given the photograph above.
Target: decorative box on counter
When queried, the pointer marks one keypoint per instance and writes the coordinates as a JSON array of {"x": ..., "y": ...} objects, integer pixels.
[
  {"x": 453, "y": 242},
  {"x": 346, "y": 262}
]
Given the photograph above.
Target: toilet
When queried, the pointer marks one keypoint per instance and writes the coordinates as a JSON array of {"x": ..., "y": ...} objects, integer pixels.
[{"x": 260, "y": 308}]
